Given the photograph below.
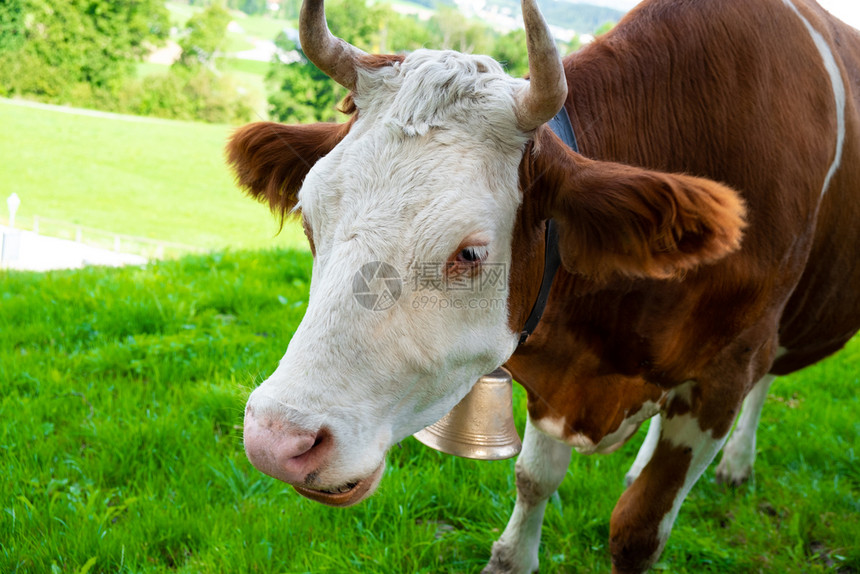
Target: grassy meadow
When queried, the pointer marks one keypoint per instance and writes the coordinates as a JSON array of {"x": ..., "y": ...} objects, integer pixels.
[
  {"x": 120, "y": 432},
  {"x": 152, "y": 178},
  {"x": 122, "y": 393}
]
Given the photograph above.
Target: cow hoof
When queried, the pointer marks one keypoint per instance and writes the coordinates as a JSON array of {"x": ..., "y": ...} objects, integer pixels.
[
  {"x": 504, "y": 560},
  {"x": 725, "y": 474}
]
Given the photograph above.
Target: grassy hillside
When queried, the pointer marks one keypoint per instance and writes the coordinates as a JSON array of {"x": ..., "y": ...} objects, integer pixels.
[
  {"x": 120, "y": 432},
  {"x": 160, "y": 179}
]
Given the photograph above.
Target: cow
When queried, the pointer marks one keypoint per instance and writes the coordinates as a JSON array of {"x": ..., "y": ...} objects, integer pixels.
[{"x": 707, "y": 231}]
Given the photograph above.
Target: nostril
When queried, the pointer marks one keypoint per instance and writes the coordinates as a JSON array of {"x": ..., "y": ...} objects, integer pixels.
[
  {"x": 296, "y": 446},
  {"x": 284, "y": 450},
  {"x": 323, "y": 437},
  {"x": 316, "y": 446}
]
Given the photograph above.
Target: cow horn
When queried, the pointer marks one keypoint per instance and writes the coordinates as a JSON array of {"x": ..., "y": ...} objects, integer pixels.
[
  {"x": 538, "y": 102},
  {"x": 335, "y": 57}
]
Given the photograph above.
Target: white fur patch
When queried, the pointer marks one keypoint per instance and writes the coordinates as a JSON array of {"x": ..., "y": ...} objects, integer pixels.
[
  {"x": 684, "y": 430},
  {"x": 646, "y": 451},
  {"x": 739, "y": 454},
  {"x": 838, "y": 90},
  {"x": 557, "y": 428},
  {"x": 614, "y": 440},
  {"x": 544, "y": 461},
  {"x": 431, "y": 161}
]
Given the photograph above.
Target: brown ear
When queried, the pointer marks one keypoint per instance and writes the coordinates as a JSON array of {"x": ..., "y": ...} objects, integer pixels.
[
  {"x": 271, "y": 160},
  {"x": 617, "y": 219}
]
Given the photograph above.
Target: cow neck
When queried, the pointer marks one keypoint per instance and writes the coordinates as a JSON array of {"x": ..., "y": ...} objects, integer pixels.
[{"x": 561, "y": 126}]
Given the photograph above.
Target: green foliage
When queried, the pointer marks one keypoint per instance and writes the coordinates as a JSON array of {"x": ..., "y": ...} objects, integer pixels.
[
  {"x": 70, "y": 43},
  {"x": 84, "y": 52},
  {"x": 205, "y": 34},
  {"x": 193, "y": 88},
  {"x": 433, "y": 4},
  {"x": 457, "y": 33},
  {"x": 120, "y": 433},
  {"x": 510, "y": 50},
  {"x": 191, "y": 94},
  {"x": 250, "y": 7},
  {"x": 303, "y": 93},
  {"x": 11, "y": 25},
  {"x": 604, "y": 28},
  {"x": 582, "y": 17}
]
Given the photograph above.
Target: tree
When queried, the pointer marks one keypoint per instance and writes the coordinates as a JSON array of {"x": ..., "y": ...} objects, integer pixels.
[
  {"x": 510, "y": 50},
  {"x": 11, "y": 25},
  {"x": 604, "y": 28},
  {"x": 250, "y": 7},
  {"x": 303, "y": 93},
  {"x": 51, "y": 48},
  {"x": 204, "y": 36},
  {"x": 457, "y": 33}
]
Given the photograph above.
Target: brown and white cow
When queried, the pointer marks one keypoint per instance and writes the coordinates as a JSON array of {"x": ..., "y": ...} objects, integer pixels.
[{"x": 708, "y": 232}]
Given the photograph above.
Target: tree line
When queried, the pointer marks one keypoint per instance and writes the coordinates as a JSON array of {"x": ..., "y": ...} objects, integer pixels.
[
  {"x": 302, "y": 93},
  {"x": 86, "y": 52}
]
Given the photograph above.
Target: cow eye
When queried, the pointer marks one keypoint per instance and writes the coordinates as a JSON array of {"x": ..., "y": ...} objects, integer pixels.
[{"x": 473, "y": 255}]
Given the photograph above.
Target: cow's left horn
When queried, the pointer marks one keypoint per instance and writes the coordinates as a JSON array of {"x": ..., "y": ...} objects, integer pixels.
[
  {"x": 538, "y": 102},
  {"x": 332, "y": 55}
]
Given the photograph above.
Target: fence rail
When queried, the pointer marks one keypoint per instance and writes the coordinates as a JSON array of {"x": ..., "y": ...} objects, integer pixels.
[{"x": 119, "y": 242}]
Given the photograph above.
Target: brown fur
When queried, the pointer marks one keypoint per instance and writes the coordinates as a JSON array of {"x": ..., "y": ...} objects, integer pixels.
[
  {"x": 633, "y": 534},
  {"x": 271, "y": 160},
  {"x": 669, "y": 91},
  {"x": 620, "y": 220}
]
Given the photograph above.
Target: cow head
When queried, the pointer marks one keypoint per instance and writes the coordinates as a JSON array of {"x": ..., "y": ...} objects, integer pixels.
[{"x": 410, "y": 209}]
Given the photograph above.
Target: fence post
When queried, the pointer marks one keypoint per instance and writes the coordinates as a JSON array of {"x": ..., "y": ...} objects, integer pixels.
[
  {"x": 78, "y": 234},
  {"x": 116, "y": 245}
]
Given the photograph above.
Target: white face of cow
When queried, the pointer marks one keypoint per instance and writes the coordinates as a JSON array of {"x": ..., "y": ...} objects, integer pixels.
[{"x": 412, "y": 218}]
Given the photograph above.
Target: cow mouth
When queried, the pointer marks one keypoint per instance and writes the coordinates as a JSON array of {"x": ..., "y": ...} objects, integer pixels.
[{"x": 347, "y": 494}]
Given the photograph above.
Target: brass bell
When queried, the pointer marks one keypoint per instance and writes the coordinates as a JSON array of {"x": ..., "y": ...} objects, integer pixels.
[{"x": 481, "y": 426}]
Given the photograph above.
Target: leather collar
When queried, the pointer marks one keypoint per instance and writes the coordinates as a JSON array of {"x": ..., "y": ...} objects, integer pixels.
[{"x": 560, "y": 124}]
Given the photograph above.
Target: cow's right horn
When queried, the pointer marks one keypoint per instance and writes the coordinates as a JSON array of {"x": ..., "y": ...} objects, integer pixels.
[
  {"x": 538, "y": 102},
  {"x": 332, "y": 55}
]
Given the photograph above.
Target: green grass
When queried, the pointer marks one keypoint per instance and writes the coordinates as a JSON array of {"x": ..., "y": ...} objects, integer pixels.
[
  {"x": 235, "y": 42},
  {"x": 248, "y": 66},
  {"x": 263, "y": 27},
  {"x": 159, "y": 179},
  {"x": 120, "y": 432},
  {"x": 143, "y": 69}
]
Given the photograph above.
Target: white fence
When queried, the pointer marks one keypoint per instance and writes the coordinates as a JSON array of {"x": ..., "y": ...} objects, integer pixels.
[{"x": 119, "y": 242}]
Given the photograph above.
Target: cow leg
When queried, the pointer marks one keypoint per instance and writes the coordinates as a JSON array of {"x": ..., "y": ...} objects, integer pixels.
[
  {"x": 643, "y": 518},
  {"x": 540, "y": 468},
  {"x": 645, "y": 451},
  {"x": 739, "y": 454}
]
